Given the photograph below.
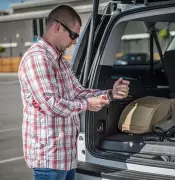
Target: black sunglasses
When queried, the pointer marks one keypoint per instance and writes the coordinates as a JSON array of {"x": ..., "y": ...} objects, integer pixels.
[{"x": 72, "y": 34}]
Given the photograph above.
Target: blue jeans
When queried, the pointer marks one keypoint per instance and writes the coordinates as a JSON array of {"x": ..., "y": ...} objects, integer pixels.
[{"x": 53, "y": 174}]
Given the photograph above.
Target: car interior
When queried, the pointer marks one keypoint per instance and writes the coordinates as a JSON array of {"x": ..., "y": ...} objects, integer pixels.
[{"x": 132, "y": 52}]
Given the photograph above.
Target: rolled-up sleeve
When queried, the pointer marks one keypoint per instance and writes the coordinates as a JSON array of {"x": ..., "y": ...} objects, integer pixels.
[
  {"x": 40, "y": 79},
  {"x": 79, "y": 90},
  {"x": 82, "y": 92}
]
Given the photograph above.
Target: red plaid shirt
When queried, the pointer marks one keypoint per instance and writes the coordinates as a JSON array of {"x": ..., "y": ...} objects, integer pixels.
[{"x": 52, "y": 99}]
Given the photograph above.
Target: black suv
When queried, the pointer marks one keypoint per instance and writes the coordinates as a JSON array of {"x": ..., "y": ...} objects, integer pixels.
[{"x": 126, "y": 27}]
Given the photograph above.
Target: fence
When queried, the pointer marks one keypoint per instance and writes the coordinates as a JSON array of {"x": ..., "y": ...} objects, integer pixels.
[{"x": 11, "y": 64}]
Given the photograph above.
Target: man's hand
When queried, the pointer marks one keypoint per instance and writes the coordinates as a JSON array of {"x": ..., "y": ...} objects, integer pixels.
[
  {"x": 96, "y": 103},
  {"x": 120, "y": 89}
]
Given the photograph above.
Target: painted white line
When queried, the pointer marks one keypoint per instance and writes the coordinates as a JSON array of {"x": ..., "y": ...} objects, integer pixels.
[
  {"x": 8, "y": 82},
  {"x": 11, "y": 160},
  {"x": 11, "y": 129},
  {"x": 8, "y": 74}
]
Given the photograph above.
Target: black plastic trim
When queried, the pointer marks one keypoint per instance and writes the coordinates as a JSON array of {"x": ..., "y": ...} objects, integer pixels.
[{"x": 92, "y": 169}]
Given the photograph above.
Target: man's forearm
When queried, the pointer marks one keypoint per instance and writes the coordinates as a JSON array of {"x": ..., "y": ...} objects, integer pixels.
[{"x": 86, "y": 93}]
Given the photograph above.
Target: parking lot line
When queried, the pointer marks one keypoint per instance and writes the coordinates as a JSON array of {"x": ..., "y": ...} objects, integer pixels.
[
  {"x": 11, "y": 129},
  {"x": 12, "y": 159}
]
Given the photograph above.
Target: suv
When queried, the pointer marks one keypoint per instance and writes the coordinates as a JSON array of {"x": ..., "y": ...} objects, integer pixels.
[{"x": 126, "y": 26}]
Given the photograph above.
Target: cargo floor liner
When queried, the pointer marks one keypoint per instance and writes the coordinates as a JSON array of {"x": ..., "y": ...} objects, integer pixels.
[{"x": 134, "y": 144}]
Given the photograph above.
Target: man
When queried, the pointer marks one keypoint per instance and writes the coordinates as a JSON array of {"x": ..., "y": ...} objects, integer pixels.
[{"x": 52, "y": 99}]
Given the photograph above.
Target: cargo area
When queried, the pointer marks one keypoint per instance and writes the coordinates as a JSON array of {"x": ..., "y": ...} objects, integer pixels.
[{"x": 148, "y": 76}]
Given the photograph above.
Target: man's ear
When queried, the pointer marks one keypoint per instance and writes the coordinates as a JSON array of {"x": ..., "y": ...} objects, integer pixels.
[{"x": 56, "y": 27}]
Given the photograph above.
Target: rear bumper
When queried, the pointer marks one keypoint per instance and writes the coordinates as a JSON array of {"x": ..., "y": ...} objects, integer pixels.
[{"x": 89, "y": 171}]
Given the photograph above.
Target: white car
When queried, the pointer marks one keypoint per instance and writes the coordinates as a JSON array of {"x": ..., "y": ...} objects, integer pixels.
[{"x": 104, "y": 152}]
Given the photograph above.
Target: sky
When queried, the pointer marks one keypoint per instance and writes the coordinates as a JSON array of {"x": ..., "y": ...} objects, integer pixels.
[{"x": 4, "y": 4}]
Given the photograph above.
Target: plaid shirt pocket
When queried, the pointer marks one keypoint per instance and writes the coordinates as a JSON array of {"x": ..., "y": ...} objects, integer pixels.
[{"x": 40, "y": 129}]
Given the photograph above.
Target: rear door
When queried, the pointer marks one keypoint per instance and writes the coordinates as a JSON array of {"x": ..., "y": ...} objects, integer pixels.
[{"x": 79, "y": 58}]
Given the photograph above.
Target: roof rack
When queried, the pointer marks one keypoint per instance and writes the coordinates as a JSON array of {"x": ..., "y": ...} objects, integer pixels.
[{"x": 146, "y": 2}]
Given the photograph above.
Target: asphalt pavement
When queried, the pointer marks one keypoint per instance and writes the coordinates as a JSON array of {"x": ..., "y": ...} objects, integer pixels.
[{"x": 12, "y": 164}]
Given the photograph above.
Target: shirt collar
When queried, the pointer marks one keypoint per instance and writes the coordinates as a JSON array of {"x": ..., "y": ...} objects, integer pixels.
[{"x": 49, "y": 47}]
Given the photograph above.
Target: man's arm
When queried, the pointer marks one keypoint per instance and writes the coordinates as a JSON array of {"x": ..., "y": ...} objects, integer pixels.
[
  {"x": 80, "y": 91},
  {"x": 39, "y": 78},
  {"x": 119, "y": 91}
]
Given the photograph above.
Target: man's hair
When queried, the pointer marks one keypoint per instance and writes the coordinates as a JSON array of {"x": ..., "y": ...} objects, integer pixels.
[{"x": 65, "y": 14}]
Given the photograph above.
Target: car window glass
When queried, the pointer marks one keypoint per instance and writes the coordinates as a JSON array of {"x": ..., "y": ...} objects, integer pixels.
[
  {"x": 166, "y": 33},
  {"x": 135, "y": 43}
]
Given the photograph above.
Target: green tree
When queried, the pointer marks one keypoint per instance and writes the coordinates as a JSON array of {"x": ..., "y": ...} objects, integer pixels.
[{"x": 2, "y": 49}]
